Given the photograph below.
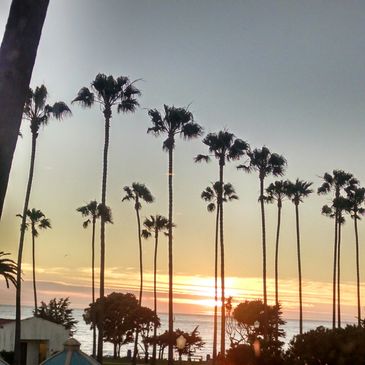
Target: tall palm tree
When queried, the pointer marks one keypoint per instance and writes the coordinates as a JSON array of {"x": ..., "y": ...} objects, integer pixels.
[
  {"x": 335, "y": 183},
  {"x": 277, "y": 191},
  {"x": 356, "y": 199},
  {"x": 297, "y": 191},
  {"x": 265, "y": 163},
  {"x": 92, "y": 211},
  {"x": 175, "y": 121},
  {"x": 223, "y": 146},
  {"x": 153, "y": 226},
  {"x": 210, "y": 195},
  {"x": 107, "y": 92},
  {"x": 138, "y": 193},
  {"x": 8, "y": 269},
  {"x": 38, "y": 113},
  {"x": 17, "y": 56},
  {"x": 35, "y": 219}
]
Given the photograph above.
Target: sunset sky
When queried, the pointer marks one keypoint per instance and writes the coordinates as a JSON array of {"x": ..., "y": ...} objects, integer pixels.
[{"x": 286, "y": 74}]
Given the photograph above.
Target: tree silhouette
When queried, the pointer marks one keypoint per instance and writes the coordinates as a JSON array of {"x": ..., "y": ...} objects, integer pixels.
[
  {"x": 223, "y": 146},
  {"x": 211, "y": 196},
  {"x": 277, "y": 191},
  {"x": 153, "y": 226},
  {"x": 138, "y": 193},
  {"x": 175, "y": 121},
  {"x": 356, "y": 199},
  {"x": 265, "y": 163},
  {"x": 8, "y": 269},
  {"x": 92, "y": 211},
  {"x": 35, "y": 218},
  {"x": 38, "y": 113},
  {"x": 335, "y": 183},
  {"x": 17, "y": 56},
  {"x": 107, "y": 92},
  {"x": 297, "y": 191}
]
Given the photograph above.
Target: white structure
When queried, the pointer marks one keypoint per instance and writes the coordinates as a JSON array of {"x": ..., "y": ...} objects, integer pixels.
[
  {"x": 71, "y": 355},
  {"x": 39, "y": 338}
]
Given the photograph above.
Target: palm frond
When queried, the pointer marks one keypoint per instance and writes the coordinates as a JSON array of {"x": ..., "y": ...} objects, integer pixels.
[
  {"x": 200, "y": 158},
  {"x": 85, "y": 97},
  {"x": 60, "y": 109}
]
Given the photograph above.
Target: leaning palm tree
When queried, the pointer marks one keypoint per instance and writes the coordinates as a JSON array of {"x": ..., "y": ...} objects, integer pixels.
[
  {"x": 335, "y": 183},
  {"x": 211, "y": 195},
  {"x": 223, "y": 146},
  {"x": 175, "y": 121},
  {"x": 92, "y": 211},
  {"x": 138, "y": 193},
  {"x": 35, "y": 219},
  {"x": 107, "y": 92},
  {"x": 297, "y": 191},
  {"x": 38, "y": 113},
  {"x": 277, "y": 191},
  {"x": 356, "y": 198},
  {"x": 153, "y": 226},
  {"x": 8, "y": 269},
  {"x": 265, "y": 163}
]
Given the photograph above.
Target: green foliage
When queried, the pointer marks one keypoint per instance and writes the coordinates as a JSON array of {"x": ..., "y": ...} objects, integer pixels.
[
  {"x": 57, "y": 311},
  {"x": 340, "y": 346},
  {"x": 8, "y": 269}
]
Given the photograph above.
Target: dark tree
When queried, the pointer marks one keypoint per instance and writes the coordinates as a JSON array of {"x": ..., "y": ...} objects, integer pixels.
[
  {"x": 107, "y": 92},
  {"x": 176, "y": 121},
  {"x": 17, "y": 56},
  {"x": 57, "y": 311},
  {"x": 8, "y": 269},
  {"x": 224, "y": 147}
]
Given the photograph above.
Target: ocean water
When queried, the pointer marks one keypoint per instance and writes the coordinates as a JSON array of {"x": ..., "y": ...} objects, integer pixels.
[{"x": 185, "y": 322}]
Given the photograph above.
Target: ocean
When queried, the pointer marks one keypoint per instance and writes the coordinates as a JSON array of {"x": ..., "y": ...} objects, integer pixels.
[{"x": 185, "y": 322}]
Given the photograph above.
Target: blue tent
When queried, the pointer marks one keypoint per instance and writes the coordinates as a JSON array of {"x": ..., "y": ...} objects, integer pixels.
[{"x": 71, "y": 355}]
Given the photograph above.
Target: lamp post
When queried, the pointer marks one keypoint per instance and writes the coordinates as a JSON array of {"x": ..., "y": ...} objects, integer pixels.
[{"x": 180, "y": 344}]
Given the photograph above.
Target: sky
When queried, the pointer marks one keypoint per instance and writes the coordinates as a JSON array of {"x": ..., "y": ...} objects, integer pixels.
[{"x": 285, "y": 74}]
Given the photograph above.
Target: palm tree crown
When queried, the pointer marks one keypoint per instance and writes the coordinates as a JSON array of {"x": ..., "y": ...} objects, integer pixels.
[
  {"x": 37, "y": 219},
  {"x": 94, "y": 210},
  {"x": 38, "y": 112},
  {"x": 175, "y": 121},
  {"x": 8, "y": 269},
  {"x": 298, "y": 190},
  {"x": 137, "y": 192},
  {"x": 211, "y": 194},
  {"x": 277, "y": 191},
  {"x": 108, "y": 91},
  {"x": 154, "y": 224}
]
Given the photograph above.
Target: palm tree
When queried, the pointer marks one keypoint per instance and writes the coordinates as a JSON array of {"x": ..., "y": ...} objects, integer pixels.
[
  {"x": 176, "y": 121},
  {"x": 38, "y": 113},
  {"x": 297, "y": 191},
  {"x": 92, "y": 211},
  {"x": 356, "y": 199},
  {"x": 336, "y": 182},
  {"x": 35, "y": 219},
  {"x": 265, "y": 163},
  {"x": 154, "y": 225},
  {"x": 223, "y": 146},
  {"x": 17, "y": 56},
  {"x": 277, "y": 191},
  {"x": 107, "y": 92},
  {"x": 210, "y": 195},
  {"x": 138, "y": 193},
  {"x": 8, "y": 269}
]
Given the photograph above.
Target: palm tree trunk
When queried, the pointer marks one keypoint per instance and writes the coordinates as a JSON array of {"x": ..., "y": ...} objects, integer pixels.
[
  {"x": 20, "y": 254},
  {"x": 153, "y": 362},
  {"x": 215, "y": 327},
  {"x": 171, "y": 309},
  {"x": 339, "y": 273},
  {"x": 93, "y": 280},
  {"x": 334, "y": 276},
  {"x": 107, "y": 115},
  {"x": 223, "y": 299},
  {"x": 263, "y": 255},
  {"x": 299, "y": 272},
  {"x": 357, "y": 271},
  {"x": 17, "y": 56},
  {"x": 135, "y": 352},
  {"x": 34, "y": 282},
  {"x": 277, "y": 268}
]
